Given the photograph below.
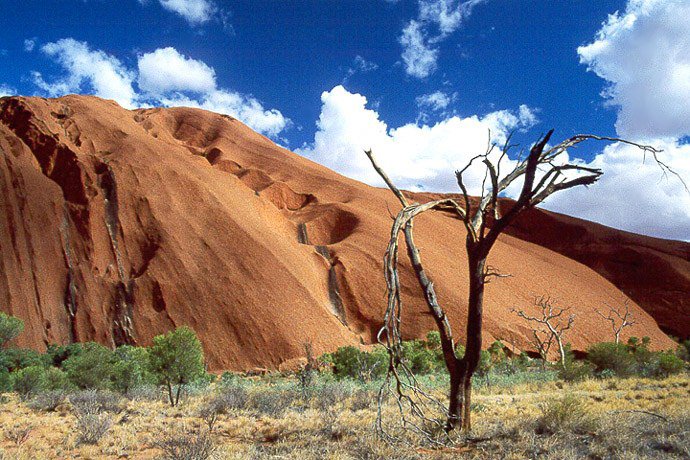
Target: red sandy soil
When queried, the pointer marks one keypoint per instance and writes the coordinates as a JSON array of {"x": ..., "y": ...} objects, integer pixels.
[{"x": 120, "y": 225}]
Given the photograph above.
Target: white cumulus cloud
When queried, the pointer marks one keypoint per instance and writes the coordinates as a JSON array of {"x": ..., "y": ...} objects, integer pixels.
[
  {"x": 438, "y": 100},
  {"x": 437, "y": 19},
  {"x": 164, "y": 77},
  {"x": 193, "y": 11},
  {"x": 419, "y": 57},
  {"x": 415, "y": 156},
  {"x": 6, "y": 90},
  {"x": 88, "y": 70},
  {"x": 245, "y": 108},
  {"x": 644, "y": 55},
  {"x": 633, "y": 194},
  {"x": 166, "y": 70}
]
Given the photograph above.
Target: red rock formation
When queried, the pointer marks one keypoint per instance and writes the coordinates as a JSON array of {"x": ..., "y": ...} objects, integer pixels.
[{"x": 119, "y": 225}]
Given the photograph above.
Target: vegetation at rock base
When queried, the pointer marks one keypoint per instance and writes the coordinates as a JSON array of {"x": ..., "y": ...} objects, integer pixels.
[{"x": 158, "y": 402}]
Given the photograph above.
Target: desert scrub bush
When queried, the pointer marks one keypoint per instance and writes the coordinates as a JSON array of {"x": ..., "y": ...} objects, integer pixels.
[
  {"x": 225, "y": 400},
  {"x": 29, "y": 381},
  {"x": 18, "y": 434},
  {"x": 96, "y": 401},
  {"x": 14, "y": 359},
  {"x": 10, "y": 328},
  {"x": 328, "y": 394},
  {"x": 358, "y": 364},
  {"x": 181, "y": 444},
  {"x": 92, "y": 367},
  {"x": 92, "y": 426},
  {"x": 613, "y": 357},
  {"x": 176, "y": 359},
  {"x": 567, "y": 413},
  {"x": 667, "y": 363},
  {"x": 130, "y": 368},
  {"x": 272, "y": 401},
  {"x": 575, "y": 371},
  {"x": 47, "y": 401}
]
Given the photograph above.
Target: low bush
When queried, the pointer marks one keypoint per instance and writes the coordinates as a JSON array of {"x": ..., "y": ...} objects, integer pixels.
[
  {"x": 96, "y": 401},
  {"x": 58, "y": 354},
  {"x": 47, "y": 401},
  {"x": 575, "y": 371},
  {"x": 14, "y": 359},
  {"x": 613, "y": 357},
  {"x": 92, "y": 368},
  {"x": 29, "y": 381},
  {"x": 351, "y": 362},
  {"x": 91, "y": 427},
  {"x": 271, "y": 401},
  {"x": 565, "y": 414},
  {"x": 183, "y": 445},
  {"x": 130, "y": 368},
  {"x": 667, "y": 363}
]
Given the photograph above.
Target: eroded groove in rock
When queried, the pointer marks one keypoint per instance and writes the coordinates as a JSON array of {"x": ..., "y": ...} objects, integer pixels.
[
  {"x": 302, "y": 236},
  {"x": 122, "y": 318},
  {"x": 71, "y": 288}
]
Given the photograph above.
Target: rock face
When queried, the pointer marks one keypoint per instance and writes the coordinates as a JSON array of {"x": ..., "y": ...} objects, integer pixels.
[{"x": 119, "y": 225}]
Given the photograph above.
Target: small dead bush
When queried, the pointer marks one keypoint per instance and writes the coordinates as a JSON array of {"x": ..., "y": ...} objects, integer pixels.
[
  {"x": 565, "y": 414},
  {"x": 183, "y": 445},
  {"x": 272, "y": 402},
  {"x": 47, "y": 401},
  {"x": 330, "y": 394},
  {"x": 91, "y": 427},
  {"x": 96, "y": 401},
  {"x": 18, "y": 434}
]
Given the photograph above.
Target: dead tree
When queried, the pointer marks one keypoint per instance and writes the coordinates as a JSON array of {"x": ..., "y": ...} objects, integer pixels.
[
  {"x": 620, "y": 318},
  {"x": 484, "y": 220},
  {"x": 549, "y": 327}
]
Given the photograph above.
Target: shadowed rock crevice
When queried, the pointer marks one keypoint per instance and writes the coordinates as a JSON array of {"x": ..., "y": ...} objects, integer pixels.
[{"x": 122, "y": 323}]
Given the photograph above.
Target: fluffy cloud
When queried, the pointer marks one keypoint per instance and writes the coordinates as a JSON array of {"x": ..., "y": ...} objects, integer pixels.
[
  {"x": 415, "y": 156},
  {"x": 7, "y": 90},
  {"x": 447, "y": 14},
  {"x": 419, "y": 40},
  {"x": 644, "y": 55},
  {"x": 633, "y": 194},
  {"x": 193, "y": 11},
  {"x": 436, "y": 101},
  {"x": 164, "y": 77},
  {"x": 29, "y": 44},
  {"x": 245, "y": 108},
  {"x": 88, "y": 70},
  {"x": 166, "y": 70},
  {"x": 418, "y": 56}
]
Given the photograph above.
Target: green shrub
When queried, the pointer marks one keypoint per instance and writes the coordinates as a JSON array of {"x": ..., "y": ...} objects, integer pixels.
[
  {"x": 176, "y": 359},
  {"x": 565, "y": 414},
  {"x": 14, "y": 359},
  {"x": 58, "y": 354},
  {"x": 683, "y": 350},
  {"x": 613, "y": 357},
  {"x": 131, "y": 368},
  {"x": 10, "y": 328},
  {"x": 575, "y": 371},
  {"x": 57, "y": 380},
  {"x": 91, "y": 368},
  {"x": 421, "y": 358},
  {"x": 5, "y": 381},
  {"x": 668, "y": 364},
  {"x": 29, "y": 381},
  {"x": 358, "y": 364}
]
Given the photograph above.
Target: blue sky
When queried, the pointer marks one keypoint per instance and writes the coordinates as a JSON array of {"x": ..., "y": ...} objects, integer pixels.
[{"x": 420, "y": 81}]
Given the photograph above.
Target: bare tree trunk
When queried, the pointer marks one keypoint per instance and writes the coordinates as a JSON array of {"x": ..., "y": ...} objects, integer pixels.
[
  {"x": 461, "y": 386},
  {"x": 561, "y": 350}
]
